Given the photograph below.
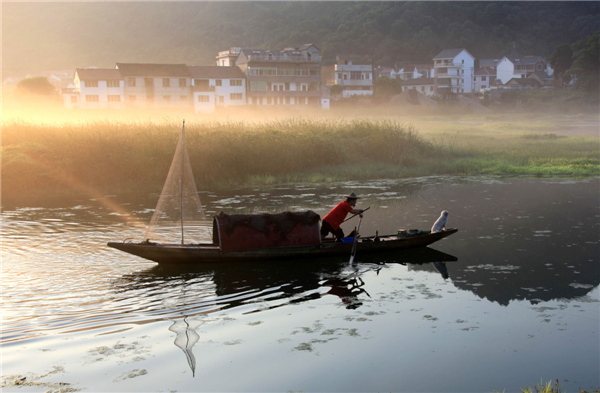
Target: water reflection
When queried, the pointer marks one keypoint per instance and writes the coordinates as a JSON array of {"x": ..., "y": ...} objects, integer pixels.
[
  {"x": 188, "y": 292},
  {"x": 186, "y": 339}
]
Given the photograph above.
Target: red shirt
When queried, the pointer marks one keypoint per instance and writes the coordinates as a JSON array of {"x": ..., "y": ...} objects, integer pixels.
[{"x": 337, "y": 215}]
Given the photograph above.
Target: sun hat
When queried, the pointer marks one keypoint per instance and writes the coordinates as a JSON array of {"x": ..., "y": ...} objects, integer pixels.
[{"x": 352, "y": 196}]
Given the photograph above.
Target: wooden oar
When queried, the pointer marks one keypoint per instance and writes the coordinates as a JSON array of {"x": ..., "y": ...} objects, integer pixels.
[
  {"x": 354, "y": 243},
  {"x": 355, "y": 215}
]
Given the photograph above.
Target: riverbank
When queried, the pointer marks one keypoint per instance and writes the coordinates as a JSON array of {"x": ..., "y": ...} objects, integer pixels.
[{"x": 100, "y": 158}]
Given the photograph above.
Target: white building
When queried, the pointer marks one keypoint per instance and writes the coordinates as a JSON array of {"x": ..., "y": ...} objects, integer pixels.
[
  {"x": 422, "y": 85},
  {"x": 413, "y": 71},
  {"x": 156, "y": 85},
  {"x": 95, "y": 88},
  {"x": 356, "y": 79},
  {"x": 453, "y": 71},
  {"x": 516, "y": 66},
  {"x": 227, "y": 58},
  {"x": 484, "y": 78},
  {"x": 217, "y": 86}
]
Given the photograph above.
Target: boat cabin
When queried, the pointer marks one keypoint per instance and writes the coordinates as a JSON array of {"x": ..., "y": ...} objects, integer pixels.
[{"x": 260, "y": 231}]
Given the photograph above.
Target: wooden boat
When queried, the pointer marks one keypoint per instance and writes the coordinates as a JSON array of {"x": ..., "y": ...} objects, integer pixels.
[
  {"x": 254, "y": 237},
  {"x": 213, "y": 253}
]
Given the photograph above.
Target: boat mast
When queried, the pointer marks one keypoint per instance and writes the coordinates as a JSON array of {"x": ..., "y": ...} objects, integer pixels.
[{"x": 182, "y": 170}]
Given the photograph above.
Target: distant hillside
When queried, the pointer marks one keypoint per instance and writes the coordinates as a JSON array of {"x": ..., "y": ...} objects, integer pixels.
[{"x": 45, "y": 35}]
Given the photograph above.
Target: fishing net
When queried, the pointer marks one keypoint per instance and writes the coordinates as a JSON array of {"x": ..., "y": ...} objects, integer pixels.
[{"x": 179, "y": 217}]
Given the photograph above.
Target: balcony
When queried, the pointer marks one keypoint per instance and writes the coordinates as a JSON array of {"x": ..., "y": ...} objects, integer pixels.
[
  {"x": 284, "y": 93},
  {"x": 289, "y": 59},
  {"x": 354, "y": 82},
  {"x": 203, "y": 88}
]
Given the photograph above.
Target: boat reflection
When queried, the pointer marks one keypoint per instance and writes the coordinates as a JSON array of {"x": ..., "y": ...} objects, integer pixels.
[{"x": 184, "y": 293}]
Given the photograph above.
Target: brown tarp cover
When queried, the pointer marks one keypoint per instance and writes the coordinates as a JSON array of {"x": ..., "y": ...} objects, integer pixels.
[{"x": 251, "y": 231}]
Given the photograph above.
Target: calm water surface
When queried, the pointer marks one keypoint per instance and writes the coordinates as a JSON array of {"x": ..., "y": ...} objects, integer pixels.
[{"x": 510, "y": 299}]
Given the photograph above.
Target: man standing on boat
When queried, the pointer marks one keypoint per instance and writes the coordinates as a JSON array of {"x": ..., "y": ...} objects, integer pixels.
[{"x": 337, "y": 215}]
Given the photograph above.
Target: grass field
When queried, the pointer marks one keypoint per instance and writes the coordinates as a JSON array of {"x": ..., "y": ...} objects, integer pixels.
[{"x": 110, "y": 157}]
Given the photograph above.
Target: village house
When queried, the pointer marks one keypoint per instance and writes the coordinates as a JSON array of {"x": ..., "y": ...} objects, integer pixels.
[
  {"x": 227, "y": 58},
  {"x": 484, "y": 78},
  {"x": 520, "y": 84},
  {"x": 413, "y": 71},
  {"x": 453, "y": 72},
  {"x": 95, "y": 88},
  {"x": 546, "y": 81},
  {"x": 355, "y": 79},
  {"x": 383, "y": 71},
  {"x": 217, "y": 86},
  {"x": 422, "y": 85},
  {"x": 291, "y": 76},
  {"x": 517, "y": 66},
  {"x": 156, "y": 85}
]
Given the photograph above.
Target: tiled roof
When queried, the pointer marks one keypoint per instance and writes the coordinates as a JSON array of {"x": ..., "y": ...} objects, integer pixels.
[
  {"x": 216, "y": 72},
  {"x": 516, "y": 59},
  {"x": 449, "y": 53},
  {"x": 98, "y": 74},
  {"x": 543, "y": 75},
  {"x": 135, "y": 69},
  {"x": 485, "y": 71},
  {"x": 524, "y": 81},
  {"x": 488, "y": 62}
]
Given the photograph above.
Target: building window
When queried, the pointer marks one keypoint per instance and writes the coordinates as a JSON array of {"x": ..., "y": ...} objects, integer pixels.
[
  {"x": 167, "y": 98},
  {"x": 92, "y": 98},
  {"x": 235, "y": 82},
  {"x": 483, "y": 78},
  {"x": 166, "y": 82},
  {"x": 287, "y": 85},
  {"x": 422, "y": 88},
  {"x": 131, "y": 82},
  {"x": 113, "y": 83},
  {"x": 203, "y": 99},
  {"x": 132, "y": 98},
  {"x": 218, "y": 82},
  {"x": 114, "y": 98},
  {"x": 463, "y": 62},
  {"x": 258, "y": 86},
  {"x": 235, "y": 96},
  {"x": 182, "y": 82},
  {"x": 269, "y": 100},
  {"x": 73, "y": 99},
  {"x": 442, "y": 70},
  {"x": 221, "y": 99},
  {"x": 90, "y": 83},
  {"x": 539, "y": 67},
  {"x": 430, "y": 88}
]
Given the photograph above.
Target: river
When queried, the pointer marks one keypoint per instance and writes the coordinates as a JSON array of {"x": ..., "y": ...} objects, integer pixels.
[{"x": 512, "y": 299}]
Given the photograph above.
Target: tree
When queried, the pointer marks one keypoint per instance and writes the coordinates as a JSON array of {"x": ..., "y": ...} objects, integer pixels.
[
  {"x": 37, "y": 85},
  {"x": 386, "y": 87},
  {"x": 336, "y": 89},
  {"x": 561, "y": 60},
  {"x": 586, "y": 63}
]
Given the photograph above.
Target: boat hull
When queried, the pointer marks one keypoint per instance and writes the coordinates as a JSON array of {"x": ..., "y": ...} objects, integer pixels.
[{"x": 208, "y": 253}]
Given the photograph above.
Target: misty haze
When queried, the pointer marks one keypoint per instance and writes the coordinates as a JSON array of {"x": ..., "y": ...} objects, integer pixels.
[{"x": 241, "y": 196}]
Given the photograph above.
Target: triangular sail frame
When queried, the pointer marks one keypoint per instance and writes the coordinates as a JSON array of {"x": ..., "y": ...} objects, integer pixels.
[{"x": 179, "y": 216}]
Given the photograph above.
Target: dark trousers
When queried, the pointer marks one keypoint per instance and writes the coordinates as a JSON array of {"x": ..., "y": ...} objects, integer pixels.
[{"x": 326, "y": 228}]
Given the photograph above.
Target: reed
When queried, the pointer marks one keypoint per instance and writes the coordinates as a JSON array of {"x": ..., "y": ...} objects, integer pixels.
[{"x": 112, "y": 157}]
